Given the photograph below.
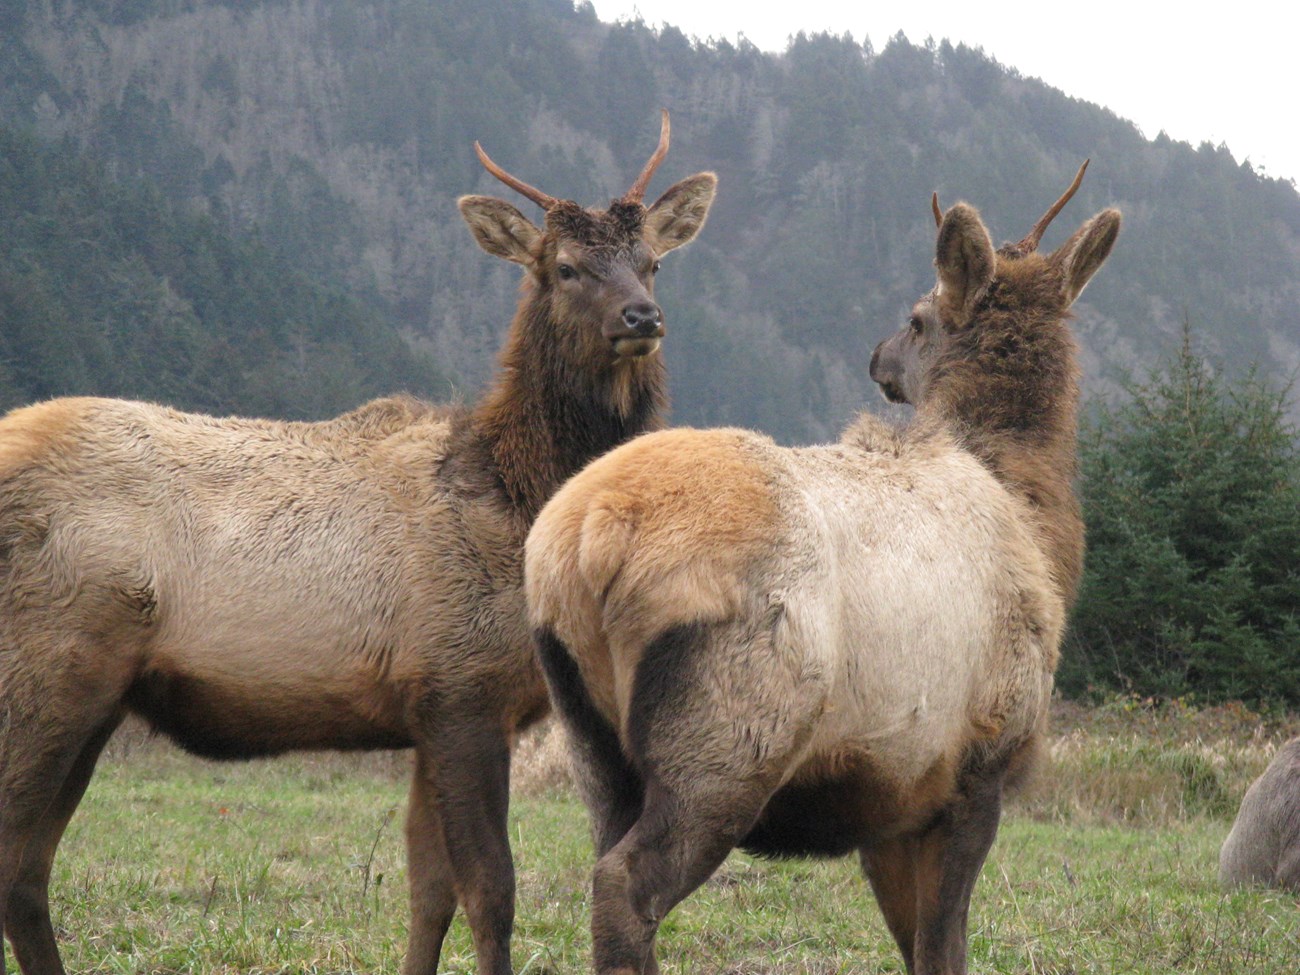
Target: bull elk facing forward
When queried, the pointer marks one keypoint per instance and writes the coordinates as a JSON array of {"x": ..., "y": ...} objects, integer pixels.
[
  {"x": 831, "y": 649},
  {"x": 252, "y": 587}
]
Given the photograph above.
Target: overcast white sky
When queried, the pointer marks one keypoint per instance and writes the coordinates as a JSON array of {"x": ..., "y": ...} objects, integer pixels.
[{"x": 1225, "y": 72}]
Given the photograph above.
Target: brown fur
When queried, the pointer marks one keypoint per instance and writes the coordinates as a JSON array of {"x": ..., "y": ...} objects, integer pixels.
[
  {"x": 810, "y": 651},
  {"x": 251, "y": 587},
  {"x": 1013, "y": 388},
  {"x": 1263, "y": 847}
]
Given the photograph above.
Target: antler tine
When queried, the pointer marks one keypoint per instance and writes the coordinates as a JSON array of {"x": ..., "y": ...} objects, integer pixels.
[
  {"x": 537, "y": 196},
  {"x": 934, "y": 205},
  {"x": 638, "y": 189},
  {"x": 1030, "y": 242}
]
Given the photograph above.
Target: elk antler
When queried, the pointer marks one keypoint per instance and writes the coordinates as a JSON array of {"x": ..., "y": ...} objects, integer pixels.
[
  {"x": 934, "y": 205},
  {"x": 1030, "y": 242},
  {"x": 638, "y": 189},
  {"x": 534, "y": 194}
]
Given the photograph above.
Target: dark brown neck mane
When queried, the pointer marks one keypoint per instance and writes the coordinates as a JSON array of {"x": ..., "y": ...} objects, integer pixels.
[
  {"x": 581, "y": 371},
  {"x": 541, "y": 422},
  {"x": 1008, "y": 388}
]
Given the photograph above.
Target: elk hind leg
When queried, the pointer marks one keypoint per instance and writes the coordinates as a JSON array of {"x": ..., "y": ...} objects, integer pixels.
[
  {"x": 673, "y": 847},
  {"x": 53, "y": 726},
  {"x": 1287, "y": 875},
  {"x": 611, "y": 788},
  {"x": 713, "y": 738},
  {"x": 27, "y": 919}
]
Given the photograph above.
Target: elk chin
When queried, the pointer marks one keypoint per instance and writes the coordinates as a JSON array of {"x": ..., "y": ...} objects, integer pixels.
[
  {"x": 636, "y": 347},
  {"x": 891, "y": 392}
]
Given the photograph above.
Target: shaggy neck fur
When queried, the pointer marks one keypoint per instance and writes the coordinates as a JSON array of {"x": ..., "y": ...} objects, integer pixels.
[
  {"x": 1008, "y": 388},
  {"x": 548, "y": 416}
]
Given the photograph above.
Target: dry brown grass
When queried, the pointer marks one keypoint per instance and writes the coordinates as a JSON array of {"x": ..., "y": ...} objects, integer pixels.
[
  {"x": 1152, "y": 763},
  {"x": 540, "y": 766},
  {"x": 1129, "y": 760}
]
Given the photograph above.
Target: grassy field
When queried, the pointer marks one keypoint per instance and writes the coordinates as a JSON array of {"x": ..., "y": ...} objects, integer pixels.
[{"x": 1106, "y": 864}]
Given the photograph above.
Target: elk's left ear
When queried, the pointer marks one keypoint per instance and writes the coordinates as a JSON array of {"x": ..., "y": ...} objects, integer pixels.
[
  {"x": 965, "y": 261},
  {"x": 1086, "y": 251},
  {"x": 499, "y": 228},
  {"x": 678, "y": 215}
]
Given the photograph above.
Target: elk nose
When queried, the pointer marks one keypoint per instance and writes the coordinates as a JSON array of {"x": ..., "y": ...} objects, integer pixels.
[
  {"x": 875, "y": 359},
  {"x": 644, "y": 318}
]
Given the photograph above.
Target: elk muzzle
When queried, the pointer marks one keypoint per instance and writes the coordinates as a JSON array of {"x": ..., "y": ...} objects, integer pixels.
[
  {"x": 886, "y": 373},
  {"x": 639, "y": 330}
]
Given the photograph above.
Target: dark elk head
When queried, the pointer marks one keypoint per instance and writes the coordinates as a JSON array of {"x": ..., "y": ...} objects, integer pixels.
[
  {"x": 593, "y": 270},
  {"x": 989, "y": 304}
]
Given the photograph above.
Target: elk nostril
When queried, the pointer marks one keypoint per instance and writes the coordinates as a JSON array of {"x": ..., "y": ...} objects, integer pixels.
[{"x": 643, "y": 317}]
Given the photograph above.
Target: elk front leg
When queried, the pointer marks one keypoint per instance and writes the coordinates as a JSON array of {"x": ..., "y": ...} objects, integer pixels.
[
  {"x": 950, "y": 855},
  {"x": 890, "y": 868},
  {"x": 464, "y": 761},
  {"x": 432, "y": 885}
]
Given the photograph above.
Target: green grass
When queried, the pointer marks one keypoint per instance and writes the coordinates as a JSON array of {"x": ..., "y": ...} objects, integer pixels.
[{"x": 1107, "y": 865}]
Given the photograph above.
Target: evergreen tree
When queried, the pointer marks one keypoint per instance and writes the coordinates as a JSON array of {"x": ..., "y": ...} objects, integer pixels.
[{"x": 1192, "y": 500}]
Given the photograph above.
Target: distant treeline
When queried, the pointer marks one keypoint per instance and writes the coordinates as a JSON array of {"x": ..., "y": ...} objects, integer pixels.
[{"x": 336, "y": 134}]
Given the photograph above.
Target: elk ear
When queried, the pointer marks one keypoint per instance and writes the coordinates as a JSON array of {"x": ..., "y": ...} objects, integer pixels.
[
  {"x": 499, "y": 228},
  {"x": 1086, "y": 251},
  {"x": 965, "y": 261},
  {"x": 678, "y": 215}
]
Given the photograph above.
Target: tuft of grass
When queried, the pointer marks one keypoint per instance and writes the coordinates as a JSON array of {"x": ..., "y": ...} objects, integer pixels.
[{"x": 1106, "y": 864}]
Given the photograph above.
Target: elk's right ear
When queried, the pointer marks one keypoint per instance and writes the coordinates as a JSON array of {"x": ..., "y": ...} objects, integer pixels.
[
  {"x": 965, "y": 261},
  {"x": 678, "y": 215},
  {"x": 499, "y": 228}
]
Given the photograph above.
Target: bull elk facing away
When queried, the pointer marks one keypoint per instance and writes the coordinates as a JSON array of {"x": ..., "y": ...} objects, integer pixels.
[
  {"x": 1263, "y": 847},
  {"x": 251, "y": 587},
  {"x": 848, "y": 647}
]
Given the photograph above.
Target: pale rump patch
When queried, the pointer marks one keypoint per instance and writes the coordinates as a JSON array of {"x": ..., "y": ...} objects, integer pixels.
[{"x": 663, "y": 536}]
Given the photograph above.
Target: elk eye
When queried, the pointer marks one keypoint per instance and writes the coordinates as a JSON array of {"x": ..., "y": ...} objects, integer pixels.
[
  {"x": 917, "y": 325},
  {"x": 566, "y": 272},
  {"x": 654, "y": 268}
]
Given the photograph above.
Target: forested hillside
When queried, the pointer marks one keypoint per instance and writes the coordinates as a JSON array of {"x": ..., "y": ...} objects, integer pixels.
[
  {"x": 330, "y": 139},
  {"x": 107, "y": 288}
]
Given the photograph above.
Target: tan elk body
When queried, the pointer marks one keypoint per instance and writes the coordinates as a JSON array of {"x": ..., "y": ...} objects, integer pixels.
[
  {"x": 837, "y": 648},
  {"x": 251, "y": 587},
  {"x": 1263, "y": 847}
]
